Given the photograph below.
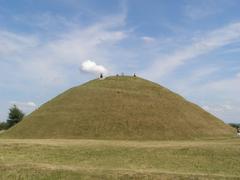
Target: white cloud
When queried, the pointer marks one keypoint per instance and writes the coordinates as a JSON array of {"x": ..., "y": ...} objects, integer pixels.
[
  {"x": 201, "y": 45},
  {"x": 218, "y": 96},
  {"x": 192, "y": 81},
  {"x": 43, "y": 62},
  {"x": 26, "y": 107},
  {"x": 200, "y": 12},
  {"x": 197, "y": 10},
  {"x": 13, "y": 44},
  {"x": 91, "y": 67},
  {"x": 40, "y": 66},
  {"x": 224, "y": 110},
  {"x": 24, "y": 104},
  {"x": 218, "y": 108},
  {"x": 200, "y": 73},
  {"x": 231, "y": 51},
  {"x": 227, "y": 87},
  {"x": 147, "y": 39}
]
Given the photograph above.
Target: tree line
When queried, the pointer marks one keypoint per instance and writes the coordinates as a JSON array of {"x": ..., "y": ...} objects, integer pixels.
[
  {"x": 234, "y": 125},
  {"x": 15, "y": 115}
]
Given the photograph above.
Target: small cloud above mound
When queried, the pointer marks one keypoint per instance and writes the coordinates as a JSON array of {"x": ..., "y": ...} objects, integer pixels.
[
  {"x": 91, "y": 67},
  {"x": 26, "y": 107},
  {"x": 148, "y": 39}
]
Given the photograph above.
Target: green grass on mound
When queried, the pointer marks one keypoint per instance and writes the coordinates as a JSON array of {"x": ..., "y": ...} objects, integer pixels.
[{"x": 120, "y": 108}]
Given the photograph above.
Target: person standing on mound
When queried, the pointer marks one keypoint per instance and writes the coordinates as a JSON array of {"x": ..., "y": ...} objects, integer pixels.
[{"x": 238, "y": 131}]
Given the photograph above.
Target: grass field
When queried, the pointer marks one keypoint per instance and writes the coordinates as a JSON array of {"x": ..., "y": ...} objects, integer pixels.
[{"x": 102, "y": 159}]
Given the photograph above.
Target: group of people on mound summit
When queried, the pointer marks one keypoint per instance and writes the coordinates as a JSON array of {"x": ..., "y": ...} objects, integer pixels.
[{"x": 101, "y": 75}]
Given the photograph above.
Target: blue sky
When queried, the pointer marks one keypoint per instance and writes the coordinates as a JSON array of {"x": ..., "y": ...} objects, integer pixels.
[{"x": 190, "y": 46}]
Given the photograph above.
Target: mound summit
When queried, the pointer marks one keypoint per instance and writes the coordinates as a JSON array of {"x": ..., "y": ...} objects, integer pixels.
[{"x": 120, "y": 108}]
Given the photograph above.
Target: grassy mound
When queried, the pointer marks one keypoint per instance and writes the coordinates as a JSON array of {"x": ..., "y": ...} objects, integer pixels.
[{"x": 120, "y": 108}]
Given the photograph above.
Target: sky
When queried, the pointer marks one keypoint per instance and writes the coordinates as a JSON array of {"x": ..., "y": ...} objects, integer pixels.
[{"x": 191, "y": 47}]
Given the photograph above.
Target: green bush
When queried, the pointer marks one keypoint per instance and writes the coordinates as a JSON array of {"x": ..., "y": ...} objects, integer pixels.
[
  {"x": 234, "y": 125},
  {"x": 15, "y": 116},
  {"x": 3, "y": 126}
]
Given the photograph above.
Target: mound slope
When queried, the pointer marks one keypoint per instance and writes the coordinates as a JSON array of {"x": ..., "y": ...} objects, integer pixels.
[{"x": 120, "y": 108}]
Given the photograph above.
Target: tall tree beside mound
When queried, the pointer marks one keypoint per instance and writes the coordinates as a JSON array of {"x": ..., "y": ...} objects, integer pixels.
[
  {"x": 234, "y": 125},
  {"x": 15, "y": 116}
]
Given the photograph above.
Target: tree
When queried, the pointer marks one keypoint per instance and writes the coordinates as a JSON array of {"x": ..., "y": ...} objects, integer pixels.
[
  {"x": 3, "y": 126},
  {"x": 15, "y": 116},
  {"x": 234, "y": 125}
]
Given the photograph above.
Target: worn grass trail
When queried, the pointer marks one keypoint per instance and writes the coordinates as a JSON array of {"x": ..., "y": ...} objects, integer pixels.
[{"x": 100, "y": 159}]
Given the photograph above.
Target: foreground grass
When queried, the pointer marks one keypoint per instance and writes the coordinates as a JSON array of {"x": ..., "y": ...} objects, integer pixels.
[{"x": 97, "y": 159}]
